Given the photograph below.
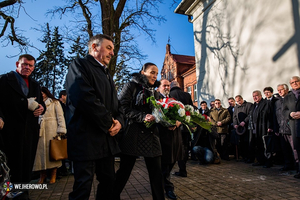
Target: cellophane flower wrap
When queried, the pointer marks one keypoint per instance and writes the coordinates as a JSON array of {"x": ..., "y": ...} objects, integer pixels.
[{"x": 167, "y": 111}]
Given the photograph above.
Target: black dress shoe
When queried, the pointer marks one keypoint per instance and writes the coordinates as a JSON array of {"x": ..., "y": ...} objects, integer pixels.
[
  {"x": 297, "y": 175},
  {"x": 171, "y": 195},
  {"x": 180, "y": 174}
]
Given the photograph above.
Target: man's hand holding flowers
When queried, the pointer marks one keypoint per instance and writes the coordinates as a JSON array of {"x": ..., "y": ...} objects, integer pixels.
[{"x": 172, "y": 128}]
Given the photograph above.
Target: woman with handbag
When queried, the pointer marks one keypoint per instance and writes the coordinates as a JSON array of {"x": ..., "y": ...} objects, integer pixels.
[
  {"x": 51, "y": 123},
  {"x": 137, "y": 140}
]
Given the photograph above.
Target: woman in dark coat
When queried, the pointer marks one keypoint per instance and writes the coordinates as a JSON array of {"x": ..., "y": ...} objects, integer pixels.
[{"x": 137, "y": 139}]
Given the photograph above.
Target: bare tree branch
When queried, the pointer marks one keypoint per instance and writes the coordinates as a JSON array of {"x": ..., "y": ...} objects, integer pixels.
[{"x": 9, "y": 21}]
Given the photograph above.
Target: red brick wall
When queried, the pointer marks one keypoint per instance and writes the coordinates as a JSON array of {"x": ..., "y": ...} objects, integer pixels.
[{"x": 189, "y": 81}]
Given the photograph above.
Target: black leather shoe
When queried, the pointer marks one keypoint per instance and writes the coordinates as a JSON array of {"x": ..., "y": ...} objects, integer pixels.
[
  {"x": 180, "y": 174},
  {"x": 171, "y": 195},
  {"x": 297, "y": 175}
]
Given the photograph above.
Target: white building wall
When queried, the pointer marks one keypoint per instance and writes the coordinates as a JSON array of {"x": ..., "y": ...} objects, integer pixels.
[{"x": 235, "y": 43}]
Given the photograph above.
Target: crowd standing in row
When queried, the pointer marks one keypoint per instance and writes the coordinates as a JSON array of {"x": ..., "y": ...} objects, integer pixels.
[
  {"x": 102, "y": 125},
  {"x": 262, "y": 133}
]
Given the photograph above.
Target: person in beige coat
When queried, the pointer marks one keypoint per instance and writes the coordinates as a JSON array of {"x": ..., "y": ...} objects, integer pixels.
[
  {"x": 220, "y": 118},
  {"x": 52, "y": 123}
]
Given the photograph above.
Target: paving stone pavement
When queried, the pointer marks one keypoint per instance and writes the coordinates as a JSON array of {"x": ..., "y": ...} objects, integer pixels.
[{"x": 228, "y": 180}]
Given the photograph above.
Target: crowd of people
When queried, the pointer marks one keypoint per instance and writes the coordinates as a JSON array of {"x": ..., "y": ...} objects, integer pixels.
[
  {"x": 100, "y": 125},
  {"x": 263, "y": 133}
]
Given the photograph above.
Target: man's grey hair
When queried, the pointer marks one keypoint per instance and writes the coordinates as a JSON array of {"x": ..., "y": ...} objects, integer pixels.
[
  {"x": 257, "y": 91},
  {"x": 163, "y": 79},
  {"x": 285, "y": 86},
  {"x": 174, "y": 84},
  {"x": 98, "y": 39},
  {"x": 295, "y": 77}
]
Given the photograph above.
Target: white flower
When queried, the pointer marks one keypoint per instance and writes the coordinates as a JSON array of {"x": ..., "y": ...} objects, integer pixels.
[
  {"x": 181, "y": 112},
  {"x": 189, "y": 108},
  {"x": 188, "y": 119},
  {"x": 197, "y": 111}
]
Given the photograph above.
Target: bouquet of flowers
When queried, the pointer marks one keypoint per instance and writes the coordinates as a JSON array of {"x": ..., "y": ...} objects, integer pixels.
[{"x": 167, "y": 111}]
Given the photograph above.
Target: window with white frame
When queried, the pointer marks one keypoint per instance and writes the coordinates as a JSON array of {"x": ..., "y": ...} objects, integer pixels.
[
  {"x": 195, "y": 93},
  {"x": 189, "y": 90}
]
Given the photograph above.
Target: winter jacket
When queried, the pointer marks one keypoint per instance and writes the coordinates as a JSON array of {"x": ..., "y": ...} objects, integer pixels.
[
  {"x": 241, "y": 112},
  {"x": 138, "y": 140},
  {"x": 263, "y": 119},
  {"x": 20, "y": 133},
  {"x": 291, "y": 104},
  {"x": 92, "y": 104},
  {"x": 221, "y": 115},
  {"x": 52, "y": 123},
  {"x": 282, "y": 121}
]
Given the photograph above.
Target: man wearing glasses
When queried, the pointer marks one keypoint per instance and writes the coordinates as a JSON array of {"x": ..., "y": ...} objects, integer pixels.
[
  {"x": 291, "y": 110},
  {"x": 220, "y": 118}
]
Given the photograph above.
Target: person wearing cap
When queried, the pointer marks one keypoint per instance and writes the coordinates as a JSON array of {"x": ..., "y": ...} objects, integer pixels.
[
  {"x": 291, "y": 111},
  {"x": 241, "y": 111},
  {"x": 20, "y": 107}
]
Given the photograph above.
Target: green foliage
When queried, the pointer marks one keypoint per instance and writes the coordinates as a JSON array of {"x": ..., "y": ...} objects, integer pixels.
[
  {"x": 78, "y": 49},
  {"x": 51, "y": 65},
  {"x": 122, "y": 76}
]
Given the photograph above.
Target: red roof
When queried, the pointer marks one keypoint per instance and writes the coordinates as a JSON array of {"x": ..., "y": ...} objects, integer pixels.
[{"x": 189, "y": 60}]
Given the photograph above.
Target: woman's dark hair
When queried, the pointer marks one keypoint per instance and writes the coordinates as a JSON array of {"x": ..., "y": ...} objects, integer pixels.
[
  {"x": 48, "y": 93},
  {"x": 146, "y": 65}
]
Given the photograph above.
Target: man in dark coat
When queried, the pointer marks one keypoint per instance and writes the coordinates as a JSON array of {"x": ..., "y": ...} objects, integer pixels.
[
  {"x": 204, "y": 110},
  {"x": 291, "y": 111},
  {"x": 283, "y": 131},
  {"x": 241, "y": 111},
  {"x": 260, "y": 121},
  {"x": 19, "y": 120},
  {"x": 232, "y": 144},
  {"x": 171, "y": 145},
  {"x": 272, "y": 99},
  {"x": 94, "y": 117},
  {"x": 185, "y": 98}
]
